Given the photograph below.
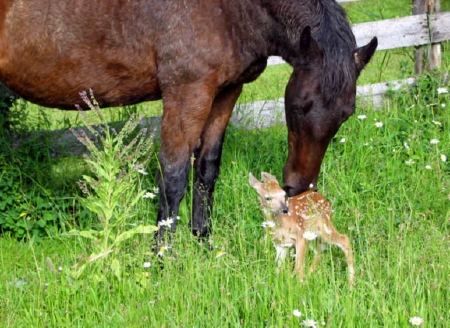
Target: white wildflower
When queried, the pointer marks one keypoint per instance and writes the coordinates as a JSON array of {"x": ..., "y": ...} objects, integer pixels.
[
  {"x": 434, "y": 141},
  {"x": 309, "y": 323},
  {"x": 162, "y": 250},
  {"x": 342, "y": 140},
  {"x": 149, "y": 195},
  {"x": 410, "y": 162},
  {"x": 297, "y": 313},
  {"x": 309, "y": 235},
  {"x": 379, "y": 124},
  {"x": 442, "y": 90},
  {"x": 219, "y": 254},
  {"x": 416, "y": 321},
  {"x": 268, "y": 224},
  {"x": 147, "y": 264},
  {"x": 165, "y": 223},
  {"x": 428, "y": 167},
  {"x": 362, "y": 117},
  {"x": 406, "y": 145},
  {"x": 443, "y": 158},
  {"x": 142, "y": 171}
]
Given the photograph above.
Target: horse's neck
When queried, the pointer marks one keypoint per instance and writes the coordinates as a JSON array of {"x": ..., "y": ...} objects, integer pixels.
[{"x": 289, "y": 17}]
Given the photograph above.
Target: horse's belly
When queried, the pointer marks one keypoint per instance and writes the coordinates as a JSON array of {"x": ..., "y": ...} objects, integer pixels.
[{"x": 54, "y": 81}]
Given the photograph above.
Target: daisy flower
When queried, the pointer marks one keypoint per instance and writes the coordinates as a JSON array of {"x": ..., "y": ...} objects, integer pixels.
[
  {"x": 442, "y": 90},
  {"x": 142, "y": 171},
  {"x": 342, "y": 140},
  {"x": 147, "y": 264},
  {"x": 409, "y": 162},
  {"x": 220, "y": 254},
  {"x": 149, "y": 195},
  {"x": 362, "y": 117},
  {"x": 165, "y": 223},
  {"x": 443, "y": 158},
  {"x": 162, "y": 250},
  {"x": 268, "y": 224},
  {"x": 434, "y": 141},
  {"x": 309, "y": 323},
  {"x": 428, "y": 167},
  {"x": 416, "y": 321},
  {"x": 309, "y": 235},
  {"x": 379, "y": 124},
  {"x": 297, "y": 313}
]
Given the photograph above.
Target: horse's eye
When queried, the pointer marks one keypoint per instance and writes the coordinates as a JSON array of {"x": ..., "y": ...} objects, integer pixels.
[{"x": 307, "y": 106}]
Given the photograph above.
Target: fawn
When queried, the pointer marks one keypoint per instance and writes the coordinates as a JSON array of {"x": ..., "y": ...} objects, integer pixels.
[{"x": 301, "y": 219}]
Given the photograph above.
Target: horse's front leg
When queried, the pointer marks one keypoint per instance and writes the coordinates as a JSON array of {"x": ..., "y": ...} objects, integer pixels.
[
  {"x": 186, "y": 110},
  {"x": 207, "y": 159}
]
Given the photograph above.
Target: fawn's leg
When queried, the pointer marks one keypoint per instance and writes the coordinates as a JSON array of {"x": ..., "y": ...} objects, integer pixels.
[
  {"x": 281, "y": 254},
  {"x": 301, "y": 245},
  {"x": 343, "y": 243},
  {"x": 317, "y": 255}
]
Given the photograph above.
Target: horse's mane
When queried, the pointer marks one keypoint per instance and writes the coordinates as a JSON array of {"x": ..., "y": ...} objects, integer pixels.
[
  {"x": 332, "y": 31},
  {"x": 337, "y": 41}
]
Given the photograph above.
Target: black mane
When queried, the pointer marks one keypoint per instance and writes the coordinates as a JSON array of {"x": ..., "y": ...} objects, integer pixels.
[
  {"x": 337, "y": 41},
  {"x": 332, "y": 31}
]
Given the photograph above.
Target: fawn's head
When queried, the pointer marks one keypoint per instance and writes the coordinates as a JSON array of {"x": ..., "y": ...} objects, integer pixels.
[{"x": 271, "y": 195}]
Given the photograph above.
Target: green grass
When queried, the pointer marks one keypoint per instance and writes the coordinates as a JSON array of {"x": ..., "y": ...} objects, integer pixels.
[
  {"x": 397, "y": 216},
  {"x": 389, "y": 187}
]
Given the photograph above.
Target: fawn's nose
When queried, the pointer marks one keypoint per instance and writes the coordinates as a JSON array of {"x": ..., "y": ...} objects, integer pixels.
[{"x": 284, "y": 208}]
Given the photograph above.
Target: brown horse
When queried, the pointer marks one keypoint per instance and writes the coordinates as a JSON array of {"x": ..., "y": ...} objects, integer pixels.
[{"x": 195, "y": 55}]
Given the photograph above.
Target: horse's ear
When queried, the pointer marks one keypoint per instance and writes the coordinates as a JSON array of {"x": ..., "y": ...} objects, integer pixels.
[
  {"x": 310, "y": 50},
  {"x": 363, "y": 54}
]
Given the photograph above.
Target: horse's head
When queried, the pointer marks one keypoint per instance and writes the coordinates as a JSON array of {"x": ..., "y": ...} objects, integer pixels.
[{"x": 319, "y": 97}]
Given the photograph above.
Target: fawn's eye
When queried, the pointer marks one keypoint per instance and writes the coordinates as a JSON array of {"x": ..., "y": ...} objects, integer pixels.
[{"x": 267, "y": 197}]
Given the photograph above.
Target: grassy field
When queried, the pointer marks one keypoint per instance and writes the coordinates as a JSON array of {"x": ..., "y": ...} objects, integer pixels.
[{"x": 386, "y": 174}]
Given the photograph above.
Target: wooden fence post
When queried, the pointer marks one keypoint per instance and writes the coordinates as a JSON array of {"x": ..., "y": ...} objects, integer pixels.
[{"x": 431, "y": 54}]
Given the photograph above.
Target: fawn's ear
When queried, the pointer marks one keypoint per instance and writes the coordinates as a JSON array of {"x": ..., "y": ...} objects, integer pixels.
[
  {"x": 267, "y": 177},
  {"x": 253, "y": 181}
]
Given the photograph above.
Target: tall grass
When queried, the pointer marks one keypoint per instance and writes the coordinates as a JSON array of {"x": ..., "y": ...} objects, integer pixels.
[
  {"x": 385, "y": 173},
  {"x": 389, "y": 186}
]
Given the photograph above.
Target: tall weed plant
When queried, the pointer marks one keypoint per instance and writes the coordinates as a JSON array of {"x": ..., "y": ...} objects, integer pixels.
[{"x": 112, "y": 191}]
